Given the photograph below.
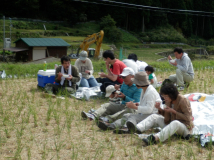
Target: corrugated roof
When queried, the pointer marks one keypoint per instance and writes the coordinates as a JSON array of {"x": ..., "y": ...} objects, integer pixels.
[{"x": 32, "y": 42}]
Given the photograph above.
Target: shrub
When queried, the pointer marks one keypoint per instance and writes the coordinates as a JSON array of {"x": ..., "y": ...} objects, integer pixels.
[
  {"x": 6, "y": 53},
  {"x": 112, "y": 33},
  {"x": 210, "y": 50},
  {"x": 162, "y": 34},
  {"x": 107, "y": 21}
]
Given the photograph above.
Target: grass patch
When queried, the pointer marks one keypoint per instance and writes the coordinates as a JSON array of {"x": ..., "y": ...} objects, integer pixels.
[
  {"x": 34, "y": 126},
  {"x": 127, "y": 37}
]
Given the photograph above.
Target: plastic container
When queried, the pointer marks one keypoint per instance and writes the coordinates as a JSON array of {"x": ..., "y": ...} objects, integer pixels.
[
  {"x": 45, "y": 66},
  {"x": 172, "y": 61},
  {"x": 45, "y": 77},
  {"x": 65, "y": 75}
]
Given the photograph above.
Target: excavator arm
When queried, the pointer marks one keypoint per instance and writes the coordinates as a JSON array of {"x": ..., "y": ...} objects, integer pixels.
[{"x": 96, "y": 38}]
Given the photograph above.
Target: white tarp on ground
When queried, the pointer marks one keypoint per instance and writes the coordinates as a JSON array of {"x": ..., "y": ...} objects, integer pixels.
[
  {"x": 203, "y": 112},
  {"x": 86, "y": 93}
]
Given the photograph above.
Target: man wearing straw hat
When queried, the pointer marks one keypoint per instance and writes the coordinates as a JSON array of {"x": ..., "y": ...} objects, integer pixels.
[{"x": 145, "y": 108}]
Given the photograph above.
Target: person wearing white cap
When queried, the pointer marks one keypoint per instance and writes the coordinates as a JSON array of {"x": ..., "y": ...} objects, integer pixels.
[
  {"x": 85, "y": 67},
  {"x": 145, "y": 108},
  {"x": 111, "y": 92},
  {"x": 128, "y": 92}
]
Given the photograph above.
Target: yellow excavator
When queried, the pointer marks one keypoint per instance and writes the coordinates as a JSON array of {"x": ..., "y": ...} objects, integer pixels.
[{"x": 96, "y": 38}]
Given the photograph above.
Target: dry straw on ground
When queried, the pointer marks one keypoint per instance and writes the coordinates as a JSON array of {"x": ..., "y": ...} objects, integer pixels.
[{"x": 33, "y": 126}]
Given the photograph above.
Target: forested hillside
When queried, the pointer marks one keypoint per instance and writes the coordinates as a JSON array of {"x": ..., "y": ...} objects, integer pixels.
[{"x": 134, "y": 19}]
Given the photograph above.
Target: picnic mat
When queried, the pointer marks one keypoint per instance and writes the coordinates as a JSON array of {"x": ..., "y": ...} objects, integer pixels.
[{"x": 203, "y": 112}]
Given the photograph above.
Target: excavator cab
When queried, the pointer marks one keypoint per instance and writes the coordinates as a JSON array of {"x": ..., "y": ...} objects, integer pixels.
[{"x": 91, "y": 52}]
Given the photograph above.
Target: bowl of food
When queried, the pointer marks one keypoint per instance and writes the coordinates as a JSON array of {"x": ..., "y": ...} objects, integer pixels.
[
  {"x": 164, "y": 106},
  {"x": 65, "y": 75},
  {"x": 118, "y": 92},
  {"x": 172, "y": 61}
]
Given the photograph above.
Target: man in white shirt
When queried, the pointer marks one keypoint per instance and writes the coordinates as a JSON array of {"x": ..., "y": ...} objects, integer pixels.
[
  {"x": 141, "y": 64},
  {"x": 131, "y": 63},
  {"x": 145, "y": 108}
]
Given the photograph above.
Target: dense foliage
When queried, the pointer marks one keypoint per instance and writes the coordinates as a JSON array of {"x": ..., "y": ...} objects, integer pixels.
[{"x": 128, "y": 18}]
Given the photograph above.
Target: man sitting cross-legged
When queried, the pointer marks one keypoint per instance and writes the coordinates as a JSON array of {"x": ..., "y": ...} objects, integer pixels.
[
  {"x": 111, "y": 92},
  {"x": 145, "y": 108},
  {"x": 175, "y": 118},
  {"x": 128, "y": 92},
  {"x": 66, "y": 84}
]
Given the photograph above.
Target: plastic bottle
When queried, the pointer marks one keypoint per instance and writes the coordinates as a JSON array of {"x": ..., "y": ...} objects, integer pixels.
[
  {"x": 45, "y": 66},
  {"x": 55, "y": 66}
]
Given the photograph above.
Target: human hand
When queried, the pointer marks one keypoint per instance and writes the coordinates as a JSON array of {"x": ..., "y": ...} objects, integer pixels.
[
  {"x": 175, "y": 63},
  {"x": 117, "y": 87},
  {"x": 169, "y": 57},
  {"x": 87, "y": 71},
  {"x": 107, "y": 64},
  {"x": 102, "y": 74},
  {"x": 170, "y": 110},
  {"x": 157, "y": 105},
  {"x": 121, "y": 95},
  {"x": 69, "y": 78},
  {"x": 137, "y": 104},
  {"x": 59, "y": 74},
  {"x": 131, "y": 105}
]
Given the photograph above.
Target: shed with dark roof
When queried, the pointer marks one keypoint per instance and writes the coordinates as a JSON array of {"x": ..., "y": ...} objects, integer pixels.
[{"x": 39, "y": 48}]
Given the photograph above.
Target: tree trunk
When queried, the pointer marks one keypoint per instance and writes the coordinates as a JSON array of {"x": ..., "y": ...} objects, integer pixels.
[
  {"x": 196, "y": 31},
  {"x": 127, "y": 21},
  {"x": 203, "y": 27},
  {"x": 143, "y": 26}
]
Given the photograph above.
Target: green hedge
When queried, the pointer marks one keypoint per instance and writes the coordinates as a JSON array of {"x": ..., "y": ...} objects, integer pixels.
[{"x": 162, "y": 34}]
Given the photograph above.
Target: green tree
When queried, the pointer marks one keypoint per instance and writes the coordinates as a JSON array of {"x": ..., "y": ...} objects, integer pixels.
[
  {"x": 107, "y": 21},
  {"x": 112, "y": 33}
]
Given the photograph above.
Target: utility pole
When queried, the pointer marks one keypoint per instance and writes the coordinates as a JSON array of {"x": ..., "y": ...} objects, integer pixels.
[
  {"x": 4, "y": 31},
  {"x": 10, "y": 30},
  {"x": 4, "y": 38}
]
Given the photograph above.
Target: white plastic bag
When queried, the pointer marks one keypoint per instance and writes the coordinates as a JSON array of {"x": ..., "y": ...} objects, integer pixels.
[
  {"x": 78, "y": 83},
  {"x": 2, "y": 74}
]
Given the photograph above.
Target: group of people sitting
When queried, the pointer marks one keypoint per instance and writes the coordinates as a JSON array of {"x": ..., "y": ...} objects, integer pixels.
[
  {"x": 84, "y": 66},
  {"x": 134, "y": 103}
]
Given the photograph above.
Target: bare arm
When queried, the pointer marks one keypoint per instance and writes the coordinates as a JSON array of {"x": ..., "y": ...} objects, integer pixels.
[{"x": 152, "y": 81}]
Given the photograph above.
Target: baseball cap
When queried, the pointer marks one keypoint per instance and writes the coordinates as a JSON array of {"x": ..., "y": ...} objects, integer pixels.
[
  {"x": 140, "y": 79},
  {"x": 83, "y": 55},
  {"x": 109, "y": 90},
  {"x": 127, "y": 71}
]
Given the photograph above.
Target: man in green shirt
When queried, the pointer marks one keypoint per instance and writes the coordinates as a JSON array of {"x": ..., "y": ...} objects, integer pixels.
[{"x": 67, "y": 76}]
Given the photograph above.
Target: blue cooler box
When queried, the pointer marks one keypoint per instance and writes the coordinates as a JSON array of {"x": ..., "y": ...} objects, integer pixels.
[{"x": 45, "y": 77}]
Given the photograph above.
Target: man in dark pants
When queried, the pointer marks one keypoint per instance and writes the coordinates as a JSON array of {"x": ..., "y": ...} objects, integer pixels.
[
  {"x": 67, "y": 76},
  {"x": 114, "y": 71}
]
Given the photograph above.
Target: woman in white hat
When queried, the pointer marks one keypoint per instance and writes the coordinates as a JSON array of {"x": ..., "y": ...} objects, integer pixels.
[{"x": 85, "y": 67}]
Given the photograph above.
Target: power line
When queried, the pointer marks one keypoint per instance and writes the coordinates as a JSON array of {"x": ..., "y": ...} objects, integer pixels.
[{"x": 149, "y": 8}]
